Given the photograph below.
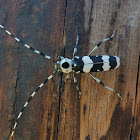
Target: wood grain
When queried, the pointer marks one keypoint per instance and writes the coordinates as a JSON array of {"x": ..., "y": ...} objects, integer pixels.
[{"x": 56, "y": 112}]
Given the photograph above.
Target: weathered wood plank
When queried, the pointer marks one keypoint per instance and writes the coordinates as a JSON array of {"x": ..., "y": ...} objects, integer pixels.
[
  {"x": 103, "y": 115},
  {"x": 41, "y": 25}
]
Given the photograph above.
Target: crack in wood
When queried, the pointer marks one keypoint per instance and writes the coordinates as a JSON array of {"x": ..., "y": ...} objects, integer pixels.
[
  {"x": 133, "y": 122},
  {"x": 87, "y": 137},
  {"x": 90, "y": 17},
  {"x": 84, "y": 108},
  {"x": 61, "y": 85},
  {"x": 59, "y": 101},
  {"x": 137, "y": 79},
  {"x": 132, "y": 129}
]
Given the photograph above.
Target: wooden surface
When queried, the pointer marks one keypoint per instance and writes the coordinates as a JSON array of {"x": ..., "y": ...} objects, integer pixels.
[{"x": 56, "y": 112}]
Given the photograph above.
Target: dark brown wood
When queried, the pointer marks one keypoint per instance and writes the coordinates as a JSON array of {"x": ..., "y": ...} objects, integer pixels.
[{"x": 56, "y": 112}]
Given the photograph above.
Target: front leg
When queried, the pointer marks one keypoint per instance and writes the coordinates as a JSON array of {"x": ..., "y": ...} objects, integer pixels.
[
  {"x": 100, "y": 42},
  {"x": 68, "y": 77},
  {"x": 75, "y": 48},
  {"x": 75, "y": 81}
]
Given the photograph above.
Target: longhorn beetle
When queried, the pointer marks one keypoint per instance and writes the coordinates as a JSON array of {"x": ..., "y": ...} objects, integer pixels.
[{"x": 78, "y": 64}]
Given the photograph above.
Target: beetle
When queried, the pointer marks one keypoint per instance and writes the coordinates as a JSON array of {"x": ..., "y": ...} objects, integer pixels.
[{"x": 78, "y": 64}]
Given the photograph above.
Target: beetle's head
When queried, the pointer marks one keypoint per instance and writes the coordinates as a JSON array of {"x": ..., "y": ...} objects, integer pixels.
[{"x": 64, "y": 64}]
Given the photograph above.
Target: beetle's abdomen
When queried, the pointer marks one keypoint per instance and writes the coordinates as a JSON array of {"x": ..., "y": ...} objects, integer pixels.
[{"x": 88, "y": 64}]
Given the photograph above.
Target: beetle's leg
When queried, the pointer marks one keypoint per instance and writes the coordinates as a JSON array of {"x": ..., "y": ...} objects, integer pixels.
[
  {"x": 26, "y": 103},
  {"x": 26, "y": 45},
  {"x": 100, "y": 42},
  {"x": 68, "y": 77},
  {"x": 75, "y": 81},
  {"x": 75, "y": 48},
  {"x": 100, "y": 82}
]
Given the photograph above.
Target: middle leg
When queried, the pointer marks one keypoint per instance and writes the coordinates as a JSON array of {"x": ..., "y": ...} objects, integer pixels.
[{"x": 75, "y": 81}]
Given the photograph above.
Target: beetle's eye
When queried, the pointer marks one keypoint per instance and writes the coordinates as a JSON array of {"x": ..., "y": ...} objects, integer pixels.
[{"x": 65, "y": 65}]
